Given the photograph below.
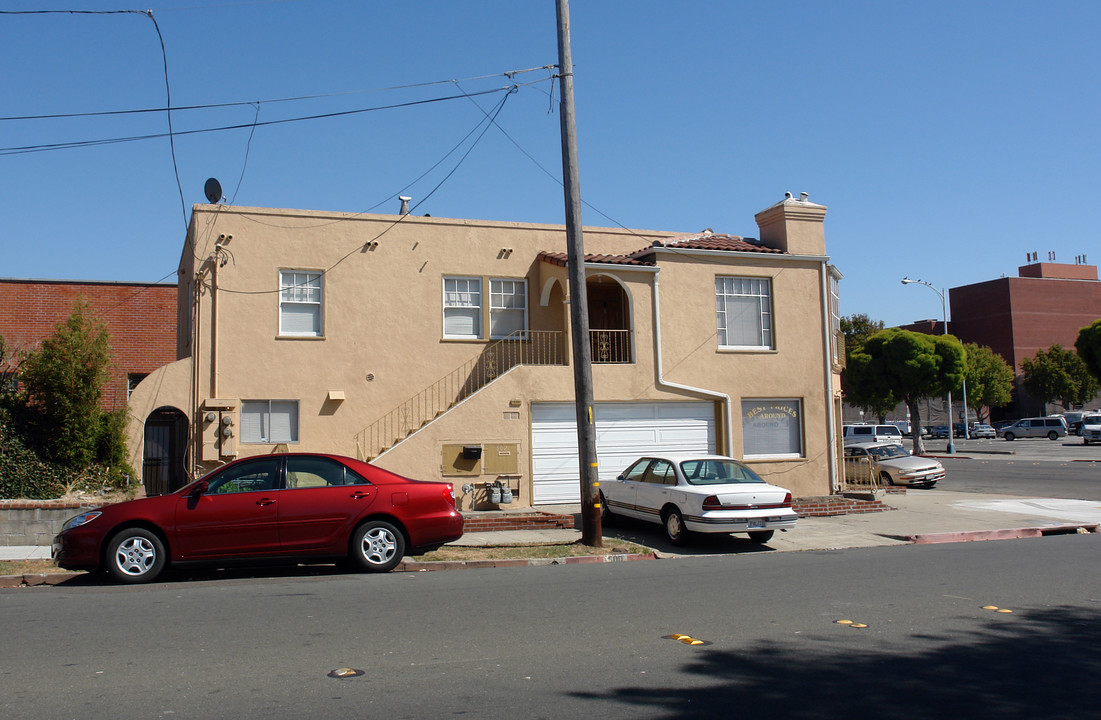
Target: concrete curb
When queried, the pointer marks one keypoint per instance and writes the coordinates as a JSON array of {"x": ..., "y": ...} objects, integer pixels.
[
  {"x": 415, "y": 566},
  {"x": 1006, "y": 534}
]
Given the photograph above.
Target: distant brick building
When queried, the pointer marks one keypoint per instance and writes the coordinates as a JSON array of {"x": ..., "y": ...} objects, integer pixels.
[
  {"x": 1047, "y": 304},
  {"x": 140, "y": 319}
]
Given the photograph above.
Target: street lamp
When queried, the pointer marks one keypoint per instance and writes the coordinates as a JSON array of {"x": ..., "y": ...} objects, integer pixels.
[{"x": 944, "y": 315}]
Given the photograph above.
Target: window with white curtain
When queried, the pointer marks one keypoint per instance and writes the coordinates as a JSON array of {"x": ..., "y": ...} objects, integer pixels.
[
  {"x": 772, "y": 428},
  {"x": 508, "y": 307},
  {"x": 462, "y": 307},
  {"x": 269, "y": 421},
  {"x": 744, "y": 311},
  {"x": 299, "y": 303}
]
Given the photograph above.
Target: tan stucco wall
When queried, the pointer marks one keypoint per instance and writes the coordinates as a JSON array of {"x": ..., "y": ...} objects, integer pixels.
[
  {"x": 383, "y": 343},
  {"x": 167, "y": 386}
]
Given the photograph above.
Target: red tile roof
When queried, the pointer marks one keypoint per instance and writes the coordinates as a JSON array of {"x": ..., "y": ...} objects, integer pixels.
[
  {"x": 712, "y": 241},
  {"x": 706, "y": 240},
  {"x": 561, "y": 259}
]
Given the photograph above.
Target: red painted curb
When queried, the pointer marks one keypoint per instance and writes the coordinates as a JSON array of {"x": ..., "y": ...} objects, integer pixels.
[{"x": 1007, "y": 534}]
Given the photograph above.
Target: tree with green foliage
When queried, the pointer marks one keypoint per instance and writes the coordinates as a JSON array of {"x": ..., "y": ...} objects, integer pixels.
[
  {"x": 62, "y": 387},
  {"x": 857, "y": 329},
  {"x": 989, "y": 380},
  {"x": 1088, "y": 346},
  {"x": 910, "y": 366},
  {"x": 1058, "y": 374}
]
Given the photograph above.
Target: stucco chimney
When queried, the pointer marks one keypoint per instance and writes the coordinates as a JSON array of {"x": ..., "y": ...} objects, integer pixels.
[
  {"x": 404, "y": 204},
  {"x": 794, "y": 226}
]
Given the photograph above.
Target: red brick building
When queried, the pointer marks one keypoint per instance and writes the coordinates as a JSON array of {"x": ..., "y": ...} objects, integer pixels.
[
  {"x": 1047, "y": 304},
  {"x": 140, "y": 319}
]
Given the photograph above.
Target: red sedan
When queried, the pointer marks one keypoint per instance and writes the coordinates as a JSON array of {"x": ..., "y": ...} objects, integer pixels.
[{"x": 294, "y": 506}]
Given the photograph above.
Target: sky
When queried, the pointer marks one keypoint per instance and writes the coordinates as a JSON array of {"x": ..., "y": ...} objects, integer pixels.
[{"x": 947, "y": 139}]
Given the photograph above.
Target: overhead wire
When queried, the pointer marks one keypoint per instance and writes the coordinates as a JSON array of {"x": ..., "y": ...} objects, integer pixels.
[
  {"x": 271, "y": 101},
  {"x": 19, "y": 150},
  {"x": 360, "y": 245}
]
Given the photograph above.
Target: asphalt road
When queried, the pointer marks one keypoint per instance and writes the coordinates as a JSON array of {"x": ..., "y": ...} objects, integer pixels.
[
  {"x": 1011, "y": 475},
  {"x": 582, "y": 641}
]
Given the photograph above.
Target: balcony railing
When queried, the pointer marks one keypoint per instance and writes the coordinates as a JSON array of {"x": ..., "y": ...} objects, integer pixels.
[
  {"x": 610, "y": 346},
  {"x": 537, "y": 347}
]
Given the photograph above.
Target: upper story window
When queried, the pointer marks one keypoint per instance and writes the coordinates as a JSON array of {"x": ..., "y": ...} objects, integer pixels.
[
  {"x": 508, "y": 307},
  {"x": 462, "y": 307},
  {"x": 836, "y": 346},
  {"x": 299, "y": 303},
  {"x": 269, "y": 421},
  {"x": 744, "y": 312},
  {"x": 465, "y": 314}
]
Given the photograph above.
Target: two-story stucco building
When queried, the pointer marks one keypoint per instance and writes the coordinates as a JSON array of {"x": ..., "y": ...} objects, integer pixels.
[{"x": 440, "y": 348}]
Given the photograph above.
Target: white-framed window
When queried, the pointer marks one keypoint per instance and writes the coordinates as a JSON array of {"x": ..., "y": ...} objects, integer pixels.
[
  {"x": 300, "y": 303},
  {"x": 508, "y": 307},
  {"x": 836, "y": 346},
  {"x": 772, "y": 428},
  {"x": 743, "y": 308},
  {"x": 269, "y": 421},
  {"x": 462, "y": 307}
]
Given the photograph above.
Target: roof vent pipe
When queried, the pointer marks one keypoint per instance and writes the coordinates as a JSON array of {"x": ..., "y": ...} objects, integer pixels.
[
  {"x": 404, "y": 204},
  {"x": 803, "y": 197}
]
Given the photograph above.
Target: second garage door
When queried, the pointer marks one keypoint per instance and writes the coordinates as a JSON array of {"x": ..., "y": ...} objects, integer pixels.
[{"x": 624, "y": 432}]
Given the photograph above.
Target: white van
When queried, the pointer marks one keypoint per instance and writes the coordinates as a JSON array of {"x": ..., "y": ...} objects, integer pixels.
[
  {"x": 872, "y": 433},
  {"x": 1052, "y": 428}
]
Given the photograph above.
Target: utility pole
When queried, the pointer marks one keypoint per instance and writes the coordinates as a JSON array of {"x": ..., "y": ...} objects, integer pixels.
[{"x": 579, "y": 306}]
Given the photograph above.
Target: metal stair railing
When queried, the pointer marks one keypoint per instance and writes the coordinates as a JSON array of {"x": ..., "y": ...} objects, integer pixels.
[{"x": 531, "y": 347}]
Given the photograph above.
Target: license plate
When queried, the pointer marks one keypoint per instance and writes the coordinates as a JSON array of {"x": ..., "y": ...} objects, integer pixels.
[{"x": 758, "y": 523}]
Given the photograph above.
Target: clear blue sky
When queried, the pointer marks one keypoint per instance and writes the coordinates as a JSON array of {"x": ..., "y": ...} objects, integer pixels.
[{"x": 948, "y": 139}]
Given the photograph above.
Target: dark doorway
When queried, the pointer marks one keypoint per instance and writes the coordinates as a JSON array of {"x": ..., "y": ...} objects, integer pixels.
[
  {"x": 609, "y": 326},
  {"x": 162, "y": 468}
]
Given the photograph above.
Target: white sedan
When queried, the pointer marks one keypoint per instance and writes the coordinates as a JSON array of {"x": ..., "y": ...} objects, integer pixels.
[
  {"x": 698, "y": 493},
  {"x": 896, "y": 465}
]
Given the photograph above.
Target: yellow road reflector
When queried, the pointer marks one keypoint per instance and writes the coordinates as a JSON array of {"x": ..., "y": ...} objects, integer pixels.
[
  {"x": 341, "y": 673},
  {"x": 844, "y": 622},
  {"x": 989, "y": 607},
  {"x": 686, "y": 639},
  {"x": 858, "y": 625},
  {"x": 1005, "y": 610}
]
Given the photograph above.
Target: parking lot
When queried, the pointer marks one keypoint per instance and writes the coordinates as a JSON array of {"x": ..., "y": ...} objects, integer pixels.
[{"x": 1064, "y": 449}]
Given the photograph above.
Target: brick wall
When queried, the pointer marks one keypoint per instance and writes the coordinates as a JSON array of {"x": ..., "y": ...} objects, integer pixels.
[{"x": 140, "y": 319}]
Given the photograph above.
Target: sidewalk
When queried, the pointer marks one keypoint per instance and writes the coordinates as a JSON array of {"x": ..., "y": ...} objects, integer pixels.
[{"x": 918, "y": 516}]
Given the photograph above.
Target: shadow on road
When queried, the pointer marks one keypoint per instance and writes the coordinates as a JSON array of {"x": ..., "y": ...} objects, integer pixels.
[{"x": 1035, "y": 663}]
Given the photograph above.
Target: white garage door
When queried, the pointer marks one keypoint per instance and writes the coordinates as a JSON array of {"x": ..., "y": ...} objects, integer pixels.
[{"x": 624, "y": 432}]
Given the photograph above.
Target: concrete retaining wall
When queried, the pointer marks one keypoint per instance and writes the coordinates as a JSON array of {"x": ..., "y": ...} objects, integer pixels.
[{"x": 30, "y": 522}]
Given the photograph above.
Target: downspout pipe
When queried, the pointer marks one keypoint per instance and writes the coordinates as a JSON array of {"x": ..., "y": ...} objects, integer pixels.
[
  {"x": 827, "y": 369},
  {"x": 663, "y": 383}
]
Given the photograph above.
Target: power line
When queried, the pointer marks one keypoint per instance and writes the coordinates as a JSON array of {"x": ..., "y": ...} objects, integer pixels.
[
  {"x": 20, "y": 150},
  {"x": 271, "y": 101}
]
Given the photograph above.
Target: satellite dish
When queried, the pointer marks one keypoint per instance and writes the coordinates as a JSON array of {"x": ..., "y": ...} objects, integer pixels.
[{"x": 213, "y": 190}]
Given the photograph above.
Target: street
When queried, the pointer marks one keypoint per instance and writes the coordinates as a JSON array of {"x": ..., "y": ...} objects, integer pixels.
[{"x": 582, "y": 641}]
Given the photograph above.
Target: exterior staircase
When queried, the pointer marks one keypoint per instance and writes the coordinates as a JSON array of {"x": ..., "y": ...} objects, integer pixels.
[{"x": 532, "y": 347}]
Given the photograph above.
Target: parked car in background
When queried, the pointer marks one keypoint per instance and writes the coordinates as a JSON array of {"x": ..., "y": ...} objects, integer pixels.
[
  {"x": 897, "y": 466},
  {"x": 982, "y": 430},
  {"x": 292, "y": 507},
  {"x": 698, "y": 493},
  {"x": 871, "y": 433},
  {"x": 938, "y": 431},
  {"x": 1091, "y": 428},
  {"x": 1052, "y": 428},
  {"x": 904, "y": 426},
  {"x": 1073, "y": 421}
]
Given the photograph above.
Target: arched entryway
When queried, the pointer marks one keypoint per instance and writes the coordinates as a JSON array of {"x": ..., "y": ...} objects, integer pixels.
[
  {"x": 609, "y": 320},
  {"x": 163, "y": 459}
]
